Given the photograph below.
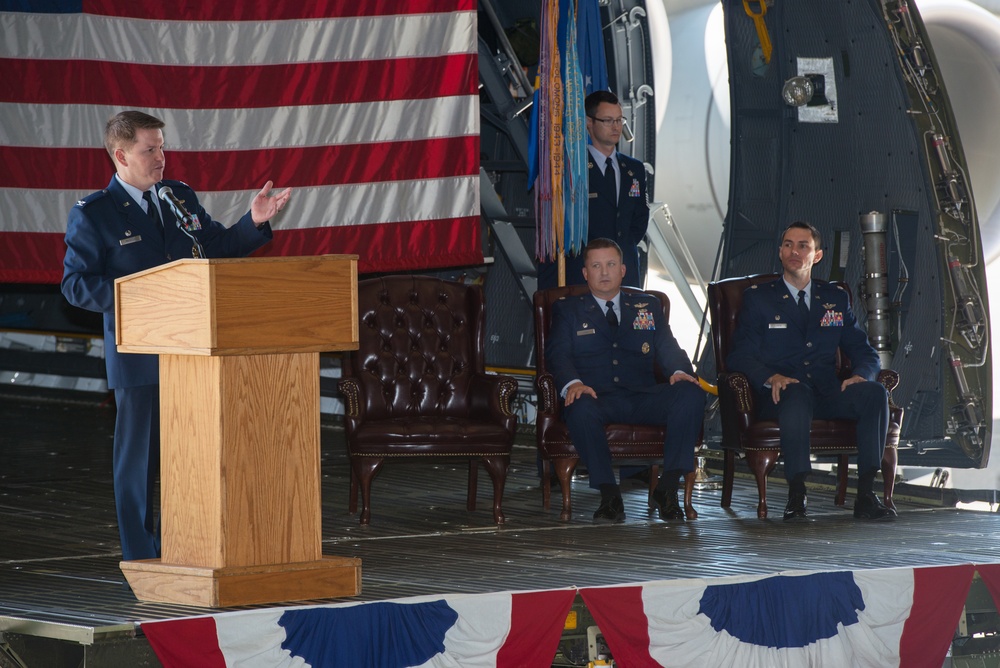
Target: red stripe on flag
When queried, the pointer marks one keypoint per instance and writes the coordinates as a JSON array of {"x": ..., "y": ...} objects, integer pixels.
[
  {"x": 537, "y": 620},
  {"x": 409, "y": 246},
  {"x": 207, "y": 171},
  {"x": 939, "y": 593},
  {"x": 30, "y": 257},
  {"x": 236, "y": 87},
  {"x": 620, "y": 614},
  {"x": 185, "y": 643},
  {"x": 271, "y": 11}
]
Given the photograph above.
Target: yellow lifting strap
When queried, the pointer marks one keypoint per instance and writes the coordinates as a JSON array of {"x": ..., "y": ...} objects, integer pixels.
[
  {"x": 708, "y": 387},
  {"x": 758, "y": 22}
]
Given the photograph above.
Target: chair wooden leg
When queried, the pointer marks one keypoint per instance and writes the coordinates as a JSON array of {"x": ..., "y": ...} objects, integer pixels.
[
  {"x": 497, "y": 468},
  {"x": 728, "y": 476},
  {"x": 889, "y": 461},
  {"x": 654, "y": 477},
  {"x": 564, "y": 471},
  {"x": 689, "y": 512},
  {"x": 841, "y": 497},
  {"x": 364, "y": 470},
  {"x": 761, "y": 463},
  {"x": 352, "y": 498},
  {"x": 546, "y": 484},
  {"x": 470, "y": 495}
]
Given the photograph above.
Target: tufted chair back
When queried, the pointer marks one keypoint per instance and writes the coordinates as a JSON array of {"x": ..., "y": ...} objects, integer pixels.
[
  {"x": 421, "y": 345},
  {"x": 417, "y": 385}
]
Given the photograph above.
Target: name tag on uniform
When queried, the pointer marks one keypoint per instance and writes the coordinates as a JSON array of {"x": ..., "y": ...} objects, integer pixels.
[
  {"x": 584, "y": 332},
  {"x": 129, "y": 240},
  {"x": 591, "y": 195},
  {"x": 777, "y": 325}
]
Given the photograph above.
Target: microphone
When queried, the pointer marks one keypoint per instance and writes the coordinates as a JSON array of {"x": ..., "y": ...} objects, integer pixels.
[{"x": 184, "y": 219}]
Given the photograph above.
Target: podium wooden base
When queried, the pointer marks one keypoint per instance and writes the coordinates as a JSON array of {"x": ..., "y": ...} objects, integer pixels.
[{"x": 330, "y": 577}]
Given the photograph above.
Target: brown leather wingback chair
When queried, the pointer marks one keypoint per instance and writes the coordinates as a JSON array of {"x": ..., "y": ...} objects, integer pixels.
[
  {"x": 759, "y": 440},
  {"x": 628, "y": 442},
  {"x": 417, "y": 385}
]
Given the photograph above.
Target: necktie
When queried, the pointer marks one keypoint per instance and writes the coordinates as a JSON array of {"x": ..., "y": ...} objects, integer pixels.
[
  {"x": 610, "y": 187},
  {"x": 151, "y": 210},
  {"x": 612, "y": 316},
  {"x": 803, "y": 308}
]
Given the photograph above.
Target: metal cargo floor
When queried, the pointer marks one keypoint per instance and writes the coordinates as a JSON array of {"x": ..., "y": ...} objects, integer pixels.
[{"x": 59, "y": 552}]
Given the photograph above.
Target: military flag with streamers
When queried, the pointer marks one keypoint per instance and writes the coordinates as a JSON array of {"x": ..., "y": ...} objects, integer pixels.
[{"x": 571, "y": 65}]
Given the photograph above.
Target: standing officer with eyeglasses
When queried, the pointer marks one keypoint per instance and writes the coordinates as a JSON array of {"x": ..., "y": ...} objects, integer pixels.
[{"x": 619, "y": 209}]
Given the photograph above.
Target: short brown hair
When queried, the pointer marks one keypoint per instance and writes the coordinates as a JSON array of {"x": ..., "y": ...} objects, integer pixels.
[
  {"x": 120, "y": 129},
  {"x": 600, "y": 242},
  {"x": 803, "y": 225},
  {"x": 594, "y": 100}
]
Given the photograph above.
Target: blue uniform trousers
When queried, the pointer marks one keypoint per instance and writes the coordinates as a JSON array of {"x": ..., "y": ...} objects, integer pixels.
[
  {"x": 867, "y": 402},
  {"x": 680, "y": 407},
  {"x": 136, "y": 466}
]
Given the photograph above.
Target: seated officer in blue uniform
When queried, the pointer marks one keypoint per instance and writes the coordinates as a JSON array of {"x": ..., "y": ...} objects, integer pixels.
[
  {"x": 602, "y": 349},
  {"x": 786, "y": 343},
  {"x": 121, "y": 230}
]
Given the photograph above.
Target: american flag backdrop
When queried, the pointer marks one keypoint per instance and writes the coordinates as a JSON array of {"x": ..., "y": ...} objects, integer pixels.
[{"x": 369, "y": 110}]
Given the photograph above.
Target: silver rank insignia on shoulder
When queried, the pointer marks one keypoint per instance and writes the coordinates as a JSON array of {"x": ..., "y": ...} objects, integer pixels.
[
  {"x": 828, "y": 306},
  {"x": 645, "y": 347},
  {"x": 80, "y": 202},
  {"x": 784, "y": 296},
  {"x": 753, "y": 287}
]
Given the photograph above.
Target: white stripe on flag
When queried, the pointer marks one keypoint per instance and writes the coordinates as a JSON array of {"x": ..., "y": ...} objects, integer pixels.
[
  {"x": 356, "y": 204},
  {"x": 82, "y": 126},
  {"x": 228, "y": 43}
]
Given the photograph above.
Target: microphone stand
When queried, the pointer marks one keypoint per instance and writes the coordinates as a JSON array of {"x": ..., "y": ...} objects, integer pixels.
[{"x": 198, "y": 249}]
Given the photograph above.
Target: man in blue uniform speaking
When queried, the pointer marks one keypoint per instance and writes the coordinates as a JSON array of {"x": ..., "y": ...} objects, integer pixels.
[
  {"x": 602, "y": 350},
  {"x": 121, "y": 230},
  {"x": 786, "y": 343}
]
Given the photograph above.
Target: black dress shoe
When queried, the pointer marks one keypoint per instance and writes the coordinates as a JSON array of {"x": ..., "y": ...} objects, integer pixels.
[
  {"x": 666, "y": 503},
  {"x": 796, "y": 506},
  {"x": 870, "y": 507},
  {"x": 610, "y": 510}
]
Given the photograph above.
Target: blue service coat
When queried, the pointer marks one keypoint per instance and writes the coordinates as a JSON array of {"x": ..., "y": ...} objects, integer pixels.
[
  {"x": 623, "y": 222},
  {"x": 582, "y": 345},
  {"x": 109, "y": 236},
  {"x": 770, "y": 337}
]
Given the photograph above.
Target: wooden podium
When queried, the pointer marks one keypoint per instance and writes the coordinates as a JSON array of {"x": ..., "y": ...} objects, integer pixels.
[{"x": 239, "y": 343}]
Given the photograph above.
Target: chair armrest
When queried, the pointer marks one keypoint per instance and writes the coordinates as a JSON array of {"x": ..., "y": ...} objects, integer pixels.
[
  {"x": 548, "y": 395},
  {"x": 354, "y": 408},
  {"x": 736, "y": 406},
  {"x": 735, "y": 388},
  {"x": 888, "y": 378},
  {"x": 491, "y": 396}
]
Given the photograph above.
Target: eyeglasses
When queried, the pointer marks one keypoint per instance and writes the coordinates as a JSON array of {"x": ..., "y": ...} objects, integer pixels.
[{"x": 609, "y": 122}]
